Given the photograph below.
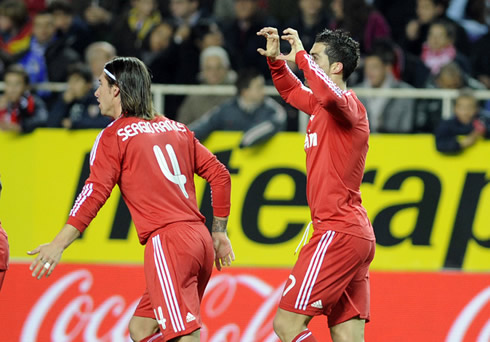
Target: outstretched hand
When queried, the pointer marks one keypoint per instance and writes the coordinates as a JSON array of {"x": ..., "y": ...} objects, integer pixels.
[
  {"x": 272, "y": 47},
  {"x": 48, "y": 257},
  {"x": 292, "y": 38},
  {"x": 223, "y": 251}
]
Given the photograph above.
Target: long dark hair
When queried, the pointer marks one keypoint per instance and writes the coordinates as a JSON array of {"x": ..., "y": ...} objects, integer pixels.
[{"x": 134, "y": 82}]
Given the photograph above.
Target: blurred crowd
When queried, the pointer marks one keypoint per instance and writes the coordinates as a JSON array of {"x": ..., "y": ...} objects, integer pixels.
[{"x": 434, "y": 44}]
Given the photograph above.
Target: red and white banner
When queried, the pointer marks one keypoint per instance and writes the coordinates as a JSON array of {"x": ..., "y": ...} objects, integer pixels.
[{"x": 95, "y": 302}]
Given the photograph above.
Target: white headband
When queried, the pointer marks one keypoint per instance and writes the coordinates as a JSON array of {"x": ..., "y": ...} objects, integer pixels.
[{"x": 110, "y": 74}]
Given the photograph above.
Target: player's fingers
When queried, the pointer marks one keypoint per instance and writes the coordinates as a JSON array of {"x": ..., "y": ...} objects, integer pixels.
[
  {"x": 269, "y": 30},
  {"x": 37, "y": 269},
  {"x": 218, "y": 265},
  {"x": 290, "y": 38},
  {"x": 232, "y": 255},
  {"x": 262, "y": 51},
  {"x": 34, "y": 251},
  {"x": 290, "y": 31},
  {"x": 226, "y": 261},
  {"x": 50, "y": 269}
]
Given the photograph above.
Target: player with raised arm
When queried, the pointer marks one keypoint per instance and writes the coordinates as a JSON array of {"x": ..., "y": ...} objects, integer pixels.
[
  {"x": 331, "y": 275},
  {"x": 153, "y": 161}
]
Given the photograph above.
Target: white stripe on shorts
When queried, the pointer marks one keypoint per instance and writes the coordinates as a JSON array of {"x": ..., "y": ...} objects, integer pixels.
[
  {"x": 167, "y": 286},
  {"x": 313, "y": 270},
  {"x": 304, "y": 337}
]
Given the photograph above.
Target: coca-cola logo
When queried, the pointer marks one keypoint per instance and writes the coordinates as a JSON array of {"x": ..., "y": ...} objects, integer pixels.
[
  {"x": 81, "y": 310},
  {"x": 468, "y": 315},
  {"x": 81, "y": 317}
]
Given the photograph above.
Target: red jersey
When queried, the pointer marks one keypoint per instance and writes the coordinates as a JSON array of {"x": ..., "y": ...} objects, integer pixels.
[
  {"x": 336, "y": 145},
  {"x": 154, "y": 163},
  {"x": 4, "y": 250}
]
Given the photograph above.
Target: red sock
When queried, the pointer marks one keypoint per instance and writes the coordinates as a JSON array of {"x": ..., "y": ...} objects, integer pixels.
[
  {"x": 156, "y": 337},
  {"x": 305, "y": 336}
]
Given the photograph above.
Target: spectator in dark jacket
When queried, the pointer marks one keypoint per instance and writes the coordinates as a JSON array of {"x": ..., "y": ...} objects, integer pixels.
[
  {"x": 77, "y": 107},
  {"x": 468, "y": 122},
  {"x": 47, "y": 58},
  {"x": 20, "y": 110},
  {"x": 69, "y": 26},
  {"x": 386, "y": 115},
  {"x": 259, "y": 117}
]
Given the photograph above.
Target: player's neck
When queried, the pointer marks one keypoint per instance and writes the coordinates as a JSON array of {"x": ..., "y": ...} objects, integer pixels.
[{"x": 337, "y": 79}]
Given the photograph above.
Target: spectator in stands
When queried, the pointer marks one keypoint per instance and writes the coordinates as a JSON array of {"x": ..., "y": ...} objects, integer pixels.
[
  {"x": 471, "y": 16},
  {"x": 160, "y": 54},
  {"x": 70, "y": 27},
  {"x": 416, "y": 31},
  {"x": 363, "y": 21},
  {"x": 258, "y": 116},
  {"x": 428, "y": 112},
  {"x": 468, "y": 121},
  {"x": 20, "y": 110},
  {"x": 397, "y": 13},
  {"x": 97, "y": 55},
  {"x": 480, "y": 60},
  {"x": 100, "y": 15},
  {"x": 15, "y": 31},
  {"x": 77, "y": 107},
  {"x": 132, "y": 29},
  {"x": 47, "y": 58},
  {"x": 241, "y": 38},
  {"x": 191, "y": 24},
  {"x": 439, "y": 48},
  {"x": 215, "y": 70},
  {"x": 386, "y": 115},
  {"x": 311, "y": 19}
]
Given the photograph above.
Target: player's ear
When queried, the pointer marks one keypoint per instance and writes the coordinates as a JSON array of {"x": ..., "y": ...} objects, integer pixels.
[
  {"x": 115, "y": 90},
  {"x": 337, "y": 67}
]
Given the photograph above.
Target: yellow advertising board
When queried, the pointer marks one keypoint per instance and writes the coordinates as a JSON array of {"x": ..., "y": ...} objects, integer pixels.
[{"x": 429, "y": 211}]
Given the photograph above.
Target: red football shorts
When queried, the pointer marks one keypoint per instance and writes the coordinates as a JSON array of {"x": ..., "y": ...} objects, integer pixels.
[
  {"x": 4, "y": 255},
  {"x": 178, "y": 264},
  {"x": 331, "y": 277}
]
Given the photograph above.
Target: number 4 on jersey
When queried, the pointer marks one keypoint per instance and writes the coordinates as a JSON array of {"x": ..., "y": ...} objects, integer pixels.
[{"x": 177, "y": 178}]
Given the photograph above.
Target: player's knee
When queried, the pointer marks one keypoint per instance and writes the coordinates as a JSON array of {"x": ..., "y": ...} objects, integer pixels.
[
  {"x": 347, "y": 335},
  {"x": 280, "y": 326},
  {"x": 277, "y": 325},
  {"x": 139, "y": 331}
]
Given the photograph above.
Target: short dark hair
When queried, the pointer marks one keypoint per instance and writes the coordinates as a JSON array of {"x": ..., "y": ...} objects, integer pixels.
[
  {"x": 134, "y": 82},
  {"x": 244, "y": 78},
  {"x": 16, "y": 11},
  {"x": 340, "y": 47},
  {"x": 384, "y": 49},
  {"x": 18, "y": 69},
  {"x": 61, "y": 5},
  {"x": 448, "y": 26},
  {"x": 81, "y": 70}
]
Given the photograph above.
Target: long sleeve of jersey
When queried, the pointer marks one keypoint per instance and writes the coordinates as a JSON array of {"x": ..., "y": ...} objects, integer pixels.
[
  {"x": 290, "y": 87},
  {"x": 218, "y": 177},
  {"x": 326, "y": 92},
  {"x": 105, "y": 170}
]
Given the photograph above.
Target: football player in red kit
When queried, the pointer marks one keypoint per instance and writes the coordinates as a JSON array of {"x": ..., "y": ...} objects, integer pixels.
[
  {"x": 331, "y": 275},
  {"x": 4, "y": 251},
  {"x": 153, "y": 161}
]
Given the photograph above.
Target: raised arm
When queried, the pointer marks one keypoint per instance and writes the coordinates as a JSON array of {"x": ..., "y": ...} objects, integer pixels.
[
  {"x": 287, "y": 84},
  {"x": 335, "y": 100}
]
